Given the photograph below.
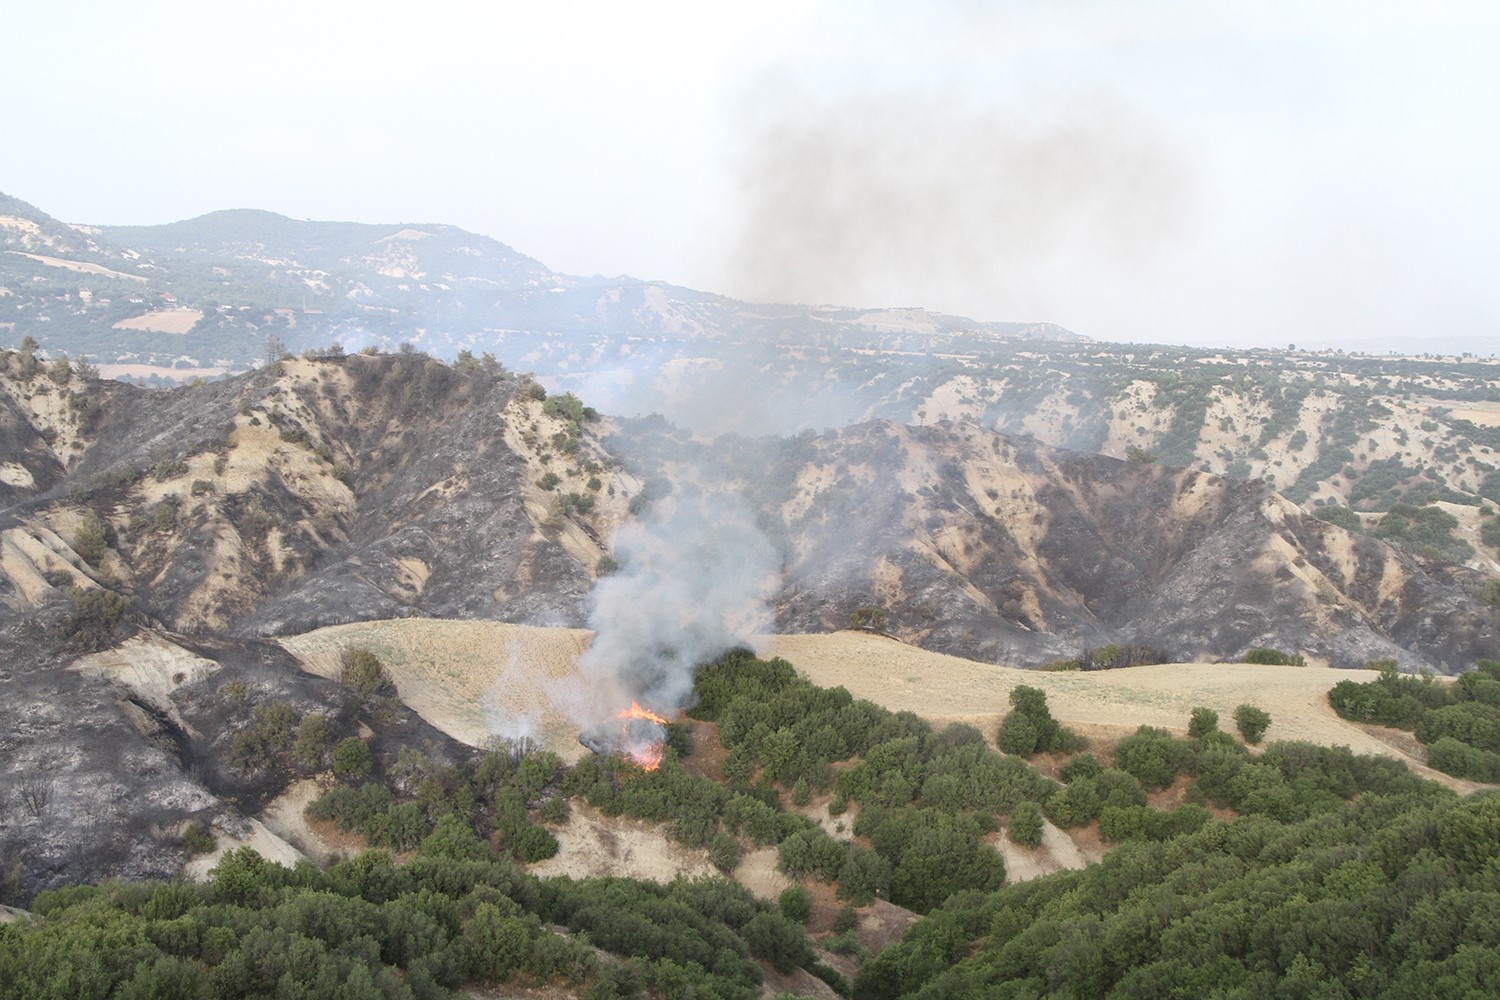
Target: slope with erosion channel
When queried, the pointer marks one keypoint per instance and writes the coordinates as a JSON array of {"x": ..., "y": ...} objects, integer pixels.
[
  {"x": 309, "y": 493},
  {"x": 108, "y": 759},
  {"x": 966, "y": 541},
  {"x": 344, "y": 489}
]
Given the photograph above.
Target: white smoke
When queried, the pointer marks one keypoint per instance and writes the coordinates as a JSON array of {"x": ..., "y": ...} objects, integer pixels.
[
  {"x": 695, "y": 580},
  {"x": 498, "y": 706}
]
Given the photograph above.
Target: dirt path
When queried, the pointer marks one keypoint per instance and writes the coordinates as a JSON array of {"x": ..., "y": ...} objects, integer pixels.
[
  {"x": 592, "y": 845},
  {"x": 253, "y": 834},
  {"x": 1057, "y": 852},
  {"x": 286, "y": 818}
]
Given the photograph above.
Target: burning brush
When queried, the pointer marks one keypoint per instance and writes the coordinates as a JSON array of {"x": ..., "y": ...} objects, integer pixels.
[{"x": 637, "y": 734}]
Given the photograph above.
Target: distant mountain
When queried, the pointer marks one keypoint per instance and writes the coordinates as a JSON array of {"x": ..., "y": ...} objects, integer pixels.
[
  {"x": 252, "y": 275},
  {"x": 218, "y": 293}
]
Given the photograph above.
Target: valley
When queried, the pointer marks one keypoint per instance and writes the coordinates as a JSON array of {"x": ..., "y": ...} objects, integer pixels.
[{"x": 1044, "y": 636}]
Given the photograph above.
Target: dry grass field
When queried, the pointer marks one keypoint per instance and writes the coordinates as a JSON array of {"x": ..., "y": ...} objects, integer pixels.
[
  {"x": 1102, "y": 705},
  {"x": 476, "y": 680},
  {"x": 163, "y": 321},
  {"x": 146, "y": 371},
  {"x": 473, "y": 680}
]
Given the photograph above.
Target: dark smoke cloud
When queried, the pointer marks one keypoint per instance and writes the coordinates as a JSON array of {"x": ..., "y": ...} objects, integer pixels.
[{"x": 842, "y": 204}]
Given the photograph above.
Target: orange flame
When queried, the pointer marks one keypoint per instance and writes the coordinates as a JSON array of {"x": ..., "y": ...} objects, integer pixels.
[
  {"x": 635, "y": 711},
  {"x": 647, "y": 753}
]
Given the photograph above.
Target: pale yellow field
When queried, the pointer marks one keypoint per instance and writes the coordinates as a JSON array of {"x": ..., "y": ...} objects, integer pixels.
[
  {"x": 163, "y": 321},
  {"x": 478, "y": 680},
  {"x": 1105, "y": 703},
  {"x": 473, "y": 680},
  {"x": 80, "y": 266},
  {"x": 146, "y": 371}
]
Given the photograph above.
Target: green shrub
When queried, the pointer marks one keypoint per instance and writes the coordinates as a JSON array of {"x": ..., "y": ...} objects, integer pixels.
[
  {"x": 555, "y": 811},
  {"x": 164, "y": 516},
  {"x": 1450, "y": 756},
  {"x": 1017, "y": 735},
  {"x": 91, "y": 540},
  {"x": 1426, "y": 529},
  {"x": 351, "y": 758},
  {"x": 1026, "y": 825},
  {"x": 1273, "y": 657},
  {"x": 1251, "y": 722},
  {"x": 1471, "y": 722},
  {"x": 198, "y": 838},
  {"x": 795, "y": 903},
  {"x": 1489, "y": 591},
  {"x": 1342, "y": 516},
  {"x": 1030, "y": 729},
  {"x": 567, "y": 406},
  {"x": 1152, "y": 756},
  {"x": 1202, "y": 722},
  {"x": 310, "y": 748},
  {"x": 362, "y": 670},
  {"x": 1082, "y": 766},
  {"x": 96, "y": 618}
]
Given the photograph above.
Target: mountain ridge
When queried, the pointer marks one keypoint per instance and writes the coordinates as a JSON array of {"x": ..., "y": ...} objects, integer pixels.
[
  {"x": 1326, "y": 428},
  {"x": 341, "y": 489}
]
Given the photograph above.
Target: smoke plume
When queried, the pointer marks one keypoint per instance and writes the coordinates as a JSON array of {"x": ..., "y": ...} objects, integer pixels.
[
  {"x": 695, "y": 579},
  {"x": 845, "y": 203}
]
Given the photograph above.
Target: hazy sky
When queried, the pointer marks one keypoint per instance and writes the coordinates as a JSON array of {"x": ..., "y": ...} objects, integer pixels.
[{"x": 1215, "y": 173}]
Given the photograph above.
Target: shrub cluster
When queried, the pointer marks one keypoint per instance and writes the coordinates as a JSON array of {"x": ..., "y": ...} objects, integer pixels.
[
  {"x": 1374, "y": 899},
  {"x": 1030, "y": 729},
  {"x": 493, "y": 797},
  {"x": 928, "y": 799},
  {"x": 368, "y": 927},
  {"x": 1459, "y": 724},
  {"x": 1273, "y": 657}
]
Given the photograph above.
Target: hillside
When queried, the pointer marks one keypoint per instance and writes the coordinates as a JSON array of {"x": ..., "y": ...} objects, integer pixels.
[
  {"x": 925, "y": 863},
  {"x": 475, "y": 680},
  {"x": 966, "y": 541},
  {"x": 384, "y": 633},
  {"x": 224, "y": 292},
  {"x": 253, "y": 276},
  {"x": 352, "y": 488}
]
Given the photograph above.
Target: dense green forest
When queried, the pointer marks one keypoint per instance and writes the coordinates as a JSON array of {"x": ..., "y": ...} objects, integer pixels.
[{"x": 1299, "y": 870}]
